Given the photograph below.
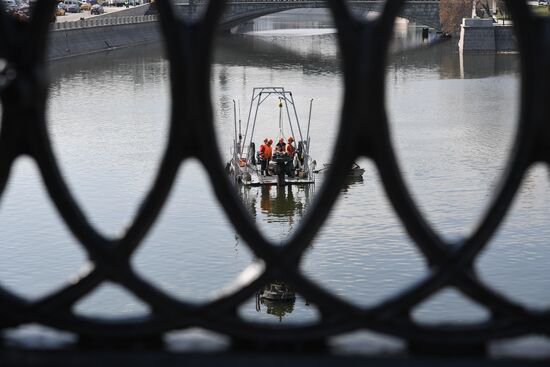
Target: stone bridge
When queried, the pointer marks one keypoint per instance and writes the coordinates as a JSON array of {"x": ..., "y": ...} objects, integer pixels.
[{"x": 425, "y": 12}]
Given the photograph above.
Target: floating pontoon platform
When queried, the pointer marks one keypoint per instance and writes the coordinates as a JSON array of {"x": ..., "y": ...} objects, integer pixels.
[{"x": 244, "y": 166}]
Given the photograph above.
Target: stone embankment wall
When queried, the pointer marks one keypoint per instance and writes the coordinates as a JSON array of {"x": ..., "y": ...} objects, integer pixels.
[
  {"x": 484, "y": 36},
  {"x": 103, "y": 33}
]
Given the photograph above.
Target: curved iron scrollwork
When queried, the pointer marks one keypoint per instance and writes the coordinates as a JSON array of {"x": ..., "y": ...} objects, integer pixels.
[{"x": 364, "y": 47}]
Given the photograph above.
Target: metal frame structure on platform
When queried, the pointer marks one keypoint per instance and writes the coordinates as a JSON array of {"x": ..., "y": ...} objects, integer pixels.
[{"x": 363, "y": 133}]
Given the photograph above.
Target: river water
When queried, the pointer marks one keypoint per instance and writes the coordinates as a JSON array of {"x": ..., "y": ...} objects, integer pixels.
[{"x": 453, "y": 122}]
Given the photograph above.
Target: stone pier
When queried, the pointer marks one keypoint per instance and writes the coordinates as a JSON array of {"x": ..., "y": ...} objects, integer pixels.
[{"x": 484, "y": 36}]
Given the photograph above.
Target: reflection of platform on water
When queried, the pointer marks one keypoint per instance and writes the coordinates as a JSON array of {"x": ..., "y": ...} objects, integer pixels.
[
  {"x": 278, "y": 298},
  {"x": 276, "y": 308},
  {"x": 277, "y": 291},
  {"x": 277, "y": 202},
  {"x": 284, "y": 201},
  {"x": 276, "y": 209}
]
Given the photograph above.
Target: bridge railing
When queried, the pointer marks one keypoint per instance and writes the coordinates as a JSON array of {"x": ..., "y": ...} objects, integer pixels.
[{"x": 364, "y": 132}]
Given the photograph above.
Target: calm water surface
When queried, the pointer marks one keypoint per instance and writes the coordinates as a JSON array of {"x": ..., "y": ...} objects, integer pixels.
[{"x": 453, "y": 124}]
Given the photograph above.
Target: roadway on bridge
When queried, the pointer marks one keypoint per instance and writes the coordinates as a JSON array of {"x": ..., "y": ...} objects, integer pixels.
[{"x": 71, "y": 17}]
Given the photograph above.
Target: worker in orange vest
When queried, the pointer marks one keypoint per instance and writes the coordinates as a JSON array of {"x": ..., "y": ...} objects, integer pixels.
[
  {"x": 290, "y": 150},
  {"x": 265, "y": 155}
]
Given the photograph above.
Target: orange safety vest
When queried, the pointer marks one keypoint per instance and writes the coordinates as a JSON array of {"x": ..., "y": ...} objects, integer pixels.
[
  {"x": 265, "y": 151},
  {"x": 290, "y": 150}
]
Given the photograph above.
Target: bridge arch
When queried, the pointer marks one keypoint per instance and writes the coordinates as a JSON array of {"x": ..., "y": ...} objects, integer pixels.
[{"x": 425, "y": 12}]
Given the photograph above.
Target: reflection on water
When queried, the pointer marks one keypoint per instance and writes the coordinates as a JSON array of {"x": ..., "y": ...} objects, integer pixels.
[
  {"x": 276, "y": 209},
  {"x": 279, "y": 309},
  {"x": 318, "y": 55},
  {"x": 350, "y": 181},
  {"x": 280, "y": 201},
  {"x": 485, "y": 66},
  {"x": 408, "y": 36},
  {"x": 443, "y": 61},
  {"x": 278, "y": 298},
  {"x": 291, "y": 20}
]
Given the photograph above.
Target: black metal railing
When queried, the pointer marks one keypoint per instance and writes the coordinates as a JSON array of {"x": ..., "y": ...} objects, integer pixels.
[{"x": 364, "y": 46}]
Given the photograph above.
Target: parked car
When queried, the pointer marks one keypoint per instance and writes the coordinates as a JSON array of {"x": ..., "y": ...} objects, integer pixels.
[
  {"x": 85, "y": 6},
  {"x": 97, "y": 9},
  {"x": 62, "y": 5},
  {"x": 73, "y": 6}
]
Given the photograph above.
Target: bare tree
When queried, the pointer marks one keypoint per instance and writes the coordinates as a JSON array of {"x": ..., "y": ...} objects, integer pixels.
[{"x": 452, "y": 12}]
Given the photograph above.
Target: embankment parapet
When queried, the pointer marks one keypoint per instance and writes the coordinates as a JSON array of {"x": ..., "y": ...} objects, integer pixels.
[{"x": 83, "y": 37}]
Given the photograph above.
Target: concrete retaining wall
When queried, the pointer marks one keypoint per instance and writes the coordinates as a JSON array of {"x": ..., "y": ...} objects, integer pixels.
[
  {"x": 483, "y": 36},
  {"x": 101, "y": 34}
]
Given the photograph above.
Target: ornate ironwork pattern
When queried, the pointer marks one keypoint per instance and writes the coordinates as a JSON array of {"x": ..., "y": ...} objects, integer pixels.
[{"x": 364, "y": 45}]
